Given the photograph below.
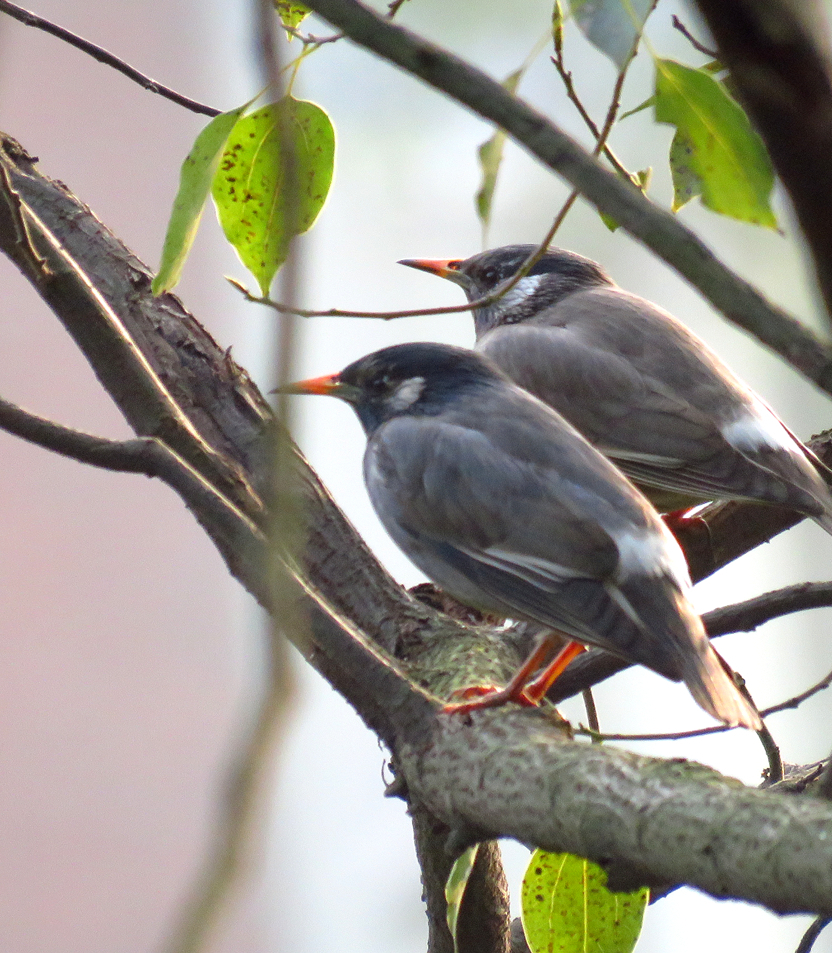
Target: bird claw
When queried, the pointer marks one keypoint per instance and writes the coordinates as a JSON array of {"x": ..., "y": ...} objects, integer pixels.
[{"x": 485, "y": 696}]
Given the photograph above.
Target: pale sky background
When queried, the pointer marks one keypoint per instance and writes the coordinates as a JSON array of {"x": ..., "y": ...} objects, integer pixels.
[{"x": 129, "y": 659}]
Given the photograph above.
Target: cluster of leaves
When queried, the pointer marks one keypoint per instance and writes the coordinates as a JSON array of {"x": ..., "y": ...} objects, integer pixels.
[
  {"x": 266, "y": 194},
  {"x": 715, "y": 155}
]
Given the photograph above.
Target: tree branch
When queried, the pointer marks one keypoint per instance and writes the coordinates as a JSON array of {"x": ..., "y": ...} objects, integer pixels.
[
  {"x": 512, "y": 773},
  {"x": 656, "y": 228}
]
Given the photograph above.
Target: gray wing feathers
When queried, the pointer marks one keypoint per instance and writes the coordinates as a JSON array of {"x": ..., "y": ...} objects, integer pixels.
[{"x": 653, "y": 398}]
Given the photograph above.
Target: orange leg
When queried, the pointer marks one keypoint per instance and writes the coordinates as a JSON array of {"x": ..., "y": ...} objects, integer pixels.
[
  {"x": 536, "y": 690},
  {"x": 517, "y": 690}
]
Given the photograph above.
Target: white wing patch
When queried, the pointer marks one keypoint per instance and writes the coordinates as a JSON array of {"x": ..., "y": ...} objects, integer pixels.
[
  {"x": 533, "y": 569},
  {"x": 759, "y": 428},
  {"x": 635, "y": 456},
  {"x": 651, "y": 552},
  {"x": 407, "y": 393}
]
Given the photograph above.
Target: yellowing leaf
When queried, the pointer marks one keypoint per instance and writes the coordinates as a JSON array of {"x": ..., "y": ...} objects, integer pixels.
[
  {"x": 566, "y": 908},
  {"x": 195, "y": 179},
  {"x": 716, "y": 153},
  {"x": 257, "y": 211},
  {"x": 291, "y": 14}
]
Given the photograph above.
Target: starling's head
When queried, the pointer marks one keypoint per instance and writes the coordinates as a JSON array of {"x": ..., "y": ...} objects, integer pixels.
[
  {"x": 558, "y": 273},
  {"x": 404, "y": 379}
]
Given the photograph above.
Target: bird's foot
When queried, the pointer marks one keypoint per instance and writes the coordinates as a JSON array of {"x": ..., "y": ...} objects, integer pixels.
[{"x": 485, "y": 696}]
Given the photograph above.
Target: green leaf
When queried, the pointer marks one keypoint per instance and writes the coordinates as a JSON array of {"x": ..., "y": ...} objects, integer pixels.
[
  {"x": 258, "y": 214},
  {"x": 613, "y": 26},
  {"x": 716, "y": 153},
  {"x": 195, "y": 179},
  {"x": 566, "y": 908},
  {"x": 490, "y": 155},
  {"x": 291, "y": 14},
  {"x": 455, "y": 887}
]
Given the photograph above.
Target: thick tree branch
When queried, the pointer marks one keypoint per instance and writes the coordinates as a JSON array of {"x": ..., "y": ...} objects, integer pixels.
[
  {"x": 658, "y": 229},
  {"x": 514, "y": 774}
]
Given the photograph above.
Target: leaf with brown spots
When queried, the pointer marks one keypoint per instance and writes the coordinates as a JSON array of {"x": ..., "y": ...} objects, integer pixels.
[
  {"x": 258, "y": 211},
  {"x": 567, "y": 907}
]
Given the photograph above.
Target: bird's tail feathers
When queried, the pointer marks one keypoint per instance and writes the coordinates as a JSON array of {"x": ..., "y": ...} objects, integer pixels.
[
  {"x": 715, "y": 690},
  {"x": 675, "y": 644}
]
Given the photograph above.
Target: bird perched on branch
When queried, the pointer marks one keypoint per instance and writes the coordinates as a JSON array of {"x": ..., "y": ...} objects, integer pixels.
[
  {"x": 501, "y": 502},
  {"x": 640, "y": 386}
]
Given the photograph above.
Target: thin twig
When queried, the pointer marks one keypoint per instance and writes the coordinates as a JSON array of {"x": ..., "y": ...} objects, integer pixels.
[
  {"x": 571, "y": 92},
  {"x": 700, "y": 47},
  {"x": 501, "y": 290},
  {"x": 123, "y": 456},
  {"x": 770, "y": 747},
  {"x": 146, "y": 455},
  {"x": 814, "y": 931},
  {"x": 601, "y": 135},
  {"x": 591, "y": 713},
  {"x": 748, "y": 615},
  {"x": 105, "y": 57},
  {"x": 308, "y": 39},
  {"x": 789, "y": 703}
]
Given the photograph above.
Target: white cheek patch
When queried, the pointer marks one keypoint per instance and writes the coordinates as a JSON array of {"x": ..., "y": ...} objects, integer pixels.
[
  {"x": 651, "y": 552},
  {"x": 522, "y": 290},
  {"x": 759, "y": 428},
  {"x": 407, "y": 393}
]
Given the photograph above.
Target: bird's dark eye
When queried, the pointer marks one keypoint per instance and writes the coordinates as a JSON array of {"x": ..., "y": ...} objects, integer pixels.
[{"x": 490, "y": 274}]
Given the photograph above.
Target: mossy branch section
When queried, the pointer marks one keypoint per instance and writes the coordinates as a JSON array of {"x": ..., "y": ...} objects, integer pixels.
[{"x": 647, "y": 821}]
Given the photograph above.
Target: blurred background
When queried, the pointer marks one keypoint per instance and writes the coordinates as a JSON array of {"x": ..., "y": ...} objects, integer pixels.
[{"x": 130, "y": 662}]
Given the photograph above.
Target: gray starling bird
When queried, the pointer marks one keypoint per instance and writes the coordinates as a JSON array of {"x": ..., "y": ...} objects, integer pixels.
[
  {"x": 502, "y": 503},
  {"x": 642, "y": 388}
]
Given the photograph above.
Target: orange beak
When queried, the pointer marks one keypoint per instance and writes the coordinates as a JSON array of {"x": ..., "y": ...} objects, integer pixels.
[
  {"x": 444, "y": 268},
  {"x": 315, "y": 385},
  {"x": 329, "y": 385}
]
